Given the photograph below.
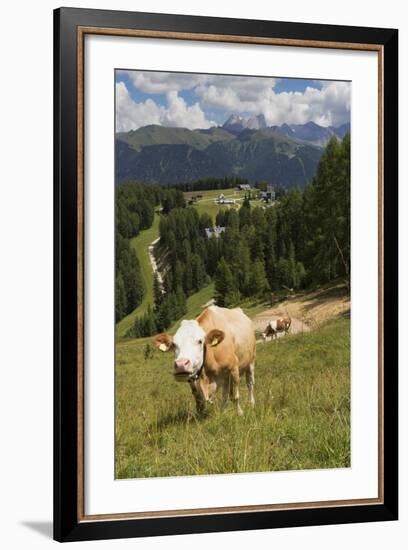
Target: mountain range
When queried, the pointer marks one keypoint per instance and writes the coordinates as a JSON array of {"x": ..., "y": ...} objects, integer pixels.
[
  {"x": 284, "y": 155},
  {"x": 309, "y": 132}
]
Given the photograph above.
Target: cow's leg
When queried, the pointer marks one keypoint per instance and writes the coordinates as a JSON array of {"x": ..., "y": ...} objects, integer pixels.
[
  {"x": 212, "y": 390},
  {"x": 250, "y": 380},
  {"x": 235, "y": 388},
  {"x": 225, "y": 392},
  {"x": 200, "y": 401}
]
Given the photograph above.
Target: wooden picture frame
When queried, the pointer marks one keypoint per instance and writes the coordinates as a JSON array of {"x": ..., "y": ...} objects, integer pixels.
[{"x": 70, "y": 27}]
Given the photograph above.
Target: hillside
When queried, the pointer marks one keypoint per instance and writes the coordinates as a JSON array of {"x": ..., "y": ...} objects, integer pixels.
[
  {"x": 161, "y": 135},
  {"x": 301, "y": 418},
  {"x": 155, "y": 154},
  {"x": 140, "y": 245}
]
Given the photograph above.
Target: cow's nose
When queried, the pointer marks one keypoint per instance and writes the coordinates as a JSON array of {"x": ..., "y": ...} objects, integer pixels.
[{"x": 181, "y": 363}]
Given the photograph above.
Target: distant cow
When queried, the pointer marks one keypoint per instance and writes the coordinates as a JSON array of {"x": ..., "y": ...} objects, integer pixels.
[
  {"x": 213, "y": 350},
  {"x": 277, "y": 325}
]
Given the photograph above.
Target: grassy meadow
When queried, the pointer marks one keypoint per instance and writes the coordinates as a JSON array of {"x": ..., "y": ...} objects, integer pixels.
[
  {"x": 207, "y": 205},
  {"x": 301, "y": 419}
]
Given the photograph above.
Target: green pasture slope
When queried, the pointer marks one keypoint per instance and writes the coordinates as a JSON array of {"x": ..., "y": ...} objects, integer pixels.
[
  {"x": 301, "y": 419},
  {"x": 207, "y": 204},
  {"x": 141, "y": 246},
  {"x": 195, "y": 304}
]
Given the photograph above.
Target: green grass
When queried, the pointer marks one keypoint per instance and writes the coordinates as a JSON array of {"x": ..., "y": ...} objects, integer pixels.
[
  {"x": 253, "y": 306},
  {"x": 140, "y": 244},
  {"x": 195, "y": 304},
  {"x": 301, "y": 419},
  {"x": 207, "y": 205},
  {"x": 213, "y": 194}
]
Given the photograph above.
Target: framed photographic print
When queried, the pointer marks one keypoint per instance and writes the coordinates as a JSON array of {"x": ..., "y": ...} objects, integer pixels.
[{"x": 225, "y": 274}]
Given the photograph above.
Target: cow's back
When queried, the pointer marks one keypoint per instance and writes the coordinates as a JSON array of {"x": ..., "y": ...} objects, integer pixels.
[{"x": 238, "y": 328}]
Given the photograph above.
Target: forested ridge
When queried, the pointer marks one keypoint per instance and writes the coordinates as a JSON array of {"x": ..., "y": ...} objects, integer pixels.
[
  {"x": 162, "y": 155},
  {"x": 301, "y": 240},
  {"x": 135, "y": 204}
]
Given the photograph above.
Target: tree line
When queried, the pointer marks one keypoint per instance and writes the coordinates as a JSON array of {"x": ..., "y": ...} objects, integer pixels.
[
  {"x": 135, "y": 204},
  {"x": 211, "y": 182}
]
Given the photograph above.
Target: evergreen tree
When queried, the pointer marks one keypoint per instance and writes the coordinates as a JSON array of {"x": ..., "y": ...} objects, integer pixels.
[
  {"x": 150, "y": 322},
  {"x": 328, "y": 215},
  {"x": 157, "y": 292},
  {"x": 120, "y": 298},
  {"x": 245, "y": 213},
  {"x": 283, "y": 273},
  {"x": 205, "y": 221},
  {"x": 198, "y": 272},
  {"x": 258, "y": 281},
  {"x": 220, "y": 218},
  {"x": 243, "y": 267},
  {"x": 164, "y": 314},
  {"x": 188, "y": 276},
  {"x": 224, "y": 283},
  {"x": 181, "y": 302},
  {"x": 293, "y": 280}
]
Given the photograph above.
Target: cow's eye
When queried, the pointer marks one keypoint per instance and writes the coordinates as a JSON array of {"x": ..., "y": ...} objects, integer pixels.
[{"x": 200, "y": 341}]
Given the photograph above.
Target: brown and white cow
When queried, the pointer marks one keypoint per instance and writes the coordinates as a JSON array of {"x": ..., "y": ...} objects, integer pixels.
[
  {"x": 277, "y": 325},
  {"x": 213, "y": 350}
]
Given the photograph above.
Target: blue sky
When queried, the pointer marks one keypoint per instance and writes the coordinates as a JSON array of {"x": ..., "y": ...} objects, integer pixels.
[{"x": 201, "y": 101}]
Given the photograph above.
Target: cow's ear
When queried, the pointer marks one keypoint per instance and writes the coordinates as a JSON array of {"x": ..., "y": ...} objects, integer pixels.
[
  {"x": 214, "y": 337},
  {"x": 163, "y": 341}
]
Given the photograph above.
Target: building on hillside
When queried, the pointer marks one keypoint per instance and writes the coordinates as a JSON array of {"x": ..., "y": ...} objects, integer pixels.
[
  {"x": 222, "y": 200},
  {"x": 269, "y": 195},
  {"x": 244, "y": 187},
  {"x": 214, "y": 231}
]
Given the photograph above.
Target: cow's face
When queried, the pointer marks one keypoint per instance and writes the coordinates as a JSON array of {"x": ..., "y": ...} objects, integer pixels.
[{"x": 189, "y": 344}]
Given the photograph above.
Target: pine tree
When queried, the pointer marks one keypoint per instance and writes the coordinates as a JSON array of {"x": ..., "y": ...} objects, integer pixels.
[
  {"x": 120, "y": 298},
  {"x": 224, "y": 283},
  {"x": 198, "y": 271},
  {"x": 150, "y": 322},
  {"x": 181, "y": 302},
  {"x": 283, "y": 273},
  {"x": 328, "y": 214},
  {"x": 157, "y": 292},
  {"x": 205, "y": 221},
  {"x": 243, "y": 266},
  {"x": 164, "y": 314},
  {"x": 258, "y": 281},
  {"x": 293, "y": 282},
  {"x": 188, "y": 276},
  {"x": 245, "y": 213}
]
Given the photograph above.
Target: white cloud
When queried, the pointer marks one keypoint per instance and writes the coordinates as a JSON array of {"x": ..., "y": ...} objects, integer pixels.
[
  {"x": 179, "y": 114},
  {"x": 131, "y": 115},
  {"x": 161, "y": 83},
  {"x": 329, "y": 106},
  {"x": 247, "y": 88}
]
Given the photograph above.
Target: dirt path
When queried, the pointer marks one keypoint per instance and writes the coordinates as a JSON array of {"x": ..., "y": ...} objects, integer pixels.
[{"x": 308, "y": 311}]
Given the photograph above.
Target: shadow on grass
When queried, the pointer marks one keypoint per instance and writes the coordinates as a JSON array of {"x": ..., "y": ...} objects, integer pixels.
[
  {"x": 178, "y": 418},
  {"x": 326, "y": 294}
]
